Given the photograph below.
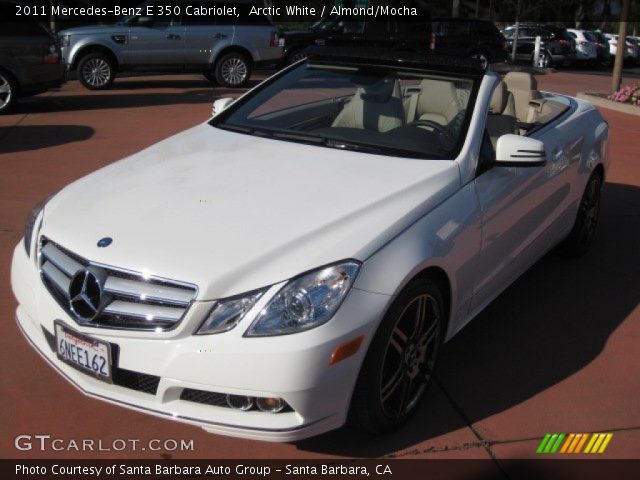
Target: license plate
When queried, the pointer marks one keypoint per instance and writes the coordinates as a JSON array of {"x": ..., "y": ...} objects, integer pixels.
[{"x": 84, "y": 353}]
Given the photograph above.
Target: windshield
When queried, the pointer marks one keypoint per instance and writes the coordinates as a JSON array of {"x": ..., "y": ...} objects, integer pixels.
[{"x": 381, "y": 110}]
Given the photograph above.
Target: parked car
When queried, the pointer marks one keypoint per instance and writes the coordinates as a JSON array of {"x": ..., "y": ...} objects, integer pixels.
[
  {"x": 629, "y": 54},
  {"x": 360, "y": 208},
  {"x": 225, "y": 51},
  {"x": 479, "y": 39},
  {"x": 358, "y": 31},
  {"x": 635, "y": 47},
  {"x": 30, "y": 60},
  {"x": 602, "y": 49},
  {"x": 586, "y": 51},
  {"x": 557, "y": 48}
]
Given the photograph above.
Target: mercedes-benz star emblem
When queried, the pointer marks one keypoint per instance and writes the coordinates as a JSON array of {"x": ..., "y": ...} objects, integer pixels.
[
  {"x": 85, "y": 294},
  {"x": 105, "y": 242}
]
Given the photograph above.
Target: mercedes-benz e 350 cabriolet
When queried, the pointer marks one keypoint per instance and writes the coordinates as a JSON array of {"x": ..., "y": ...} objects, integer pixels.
[{"x": 297, "y": 261}]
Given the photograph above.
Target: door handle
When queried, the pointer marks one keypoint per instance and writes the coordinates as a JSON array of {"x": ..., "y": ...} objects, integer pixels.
[
  {"x": 218, "y": 36},
  {"x": 173, "y": 36}
]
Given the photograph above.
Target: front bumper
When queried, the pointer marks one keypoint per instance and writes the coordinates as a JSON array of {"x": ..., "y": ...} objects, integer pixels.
[{"x": 293, "y": 367}]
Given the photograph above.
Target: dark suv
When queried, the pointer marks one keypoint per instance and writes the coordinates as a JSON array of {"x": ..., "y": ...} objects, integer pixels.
[
  {"x": 479, "y": 39},
  {"x": 339, "y": 31},
  {"x": 29, "y": 57},
  {"x": 557, "y": 46}
]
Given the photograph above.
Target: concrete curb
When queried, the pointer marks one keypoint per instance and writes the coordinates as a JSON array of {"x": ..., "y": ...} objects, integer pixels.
[{"x": 604, "y": 103}]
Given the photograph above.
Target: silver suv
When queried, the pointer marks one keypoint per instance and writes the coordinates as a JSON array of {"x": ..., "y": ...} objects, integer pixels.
[{"x": 224, "y": 48}]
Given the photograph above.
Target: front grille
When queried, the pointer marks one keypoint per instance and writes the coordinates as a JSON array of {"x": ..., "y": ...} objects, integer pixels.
[
  {"x": 201, "y": 396},
  {"x": 141, "y": 382},
  {"x": 131, "y": 300}
]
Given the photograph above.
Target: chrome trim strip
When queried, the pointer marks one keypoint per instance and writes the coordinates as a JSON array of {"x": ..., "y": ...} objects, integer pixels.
[
  {"x": 143, "y": 310},
  {"x": 148, "y": 291},
  {"x": 56, "y": 276},
  {"x": 160, "y": 412},
  {"x": 56, "y": 256}
]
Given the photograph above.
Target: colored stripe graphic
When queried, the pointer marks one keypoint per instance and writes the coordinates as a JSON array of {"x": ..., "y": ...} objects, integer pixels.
[{"x": 574, "y": 442}]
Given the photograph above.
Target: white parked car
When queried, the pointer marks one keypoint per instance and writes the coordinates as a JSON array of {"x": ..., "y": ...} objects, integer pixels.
[
  {"x": 629, "y": 51},
  {"x": 585, "y": 46},
  {"x": 298, "y": 260}
]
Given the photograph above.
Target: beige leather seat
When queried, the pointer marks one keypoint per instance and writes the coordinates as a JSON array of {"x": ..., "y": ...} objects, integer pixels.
[
  {"x": 373, "y": 107},
  {"x": 437, "y": 101},
  {"x": 524, "y": 88},
  {"x": 502, "y": 118}
]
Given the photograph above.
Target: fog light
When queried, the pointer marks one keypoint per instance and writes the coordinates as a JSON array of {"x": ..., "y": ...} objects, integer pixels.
[
  {"x": 240, "y": 402},
  {"x": 271, "y": 405}
]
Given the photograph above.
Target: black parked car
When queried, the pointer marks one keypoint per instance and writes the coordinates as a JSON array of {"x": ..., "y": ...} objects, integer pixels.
[
  {"x": 602, "y": 48},
  {"x": 558, "y": 47},
  {"x": 479, "y": 39},
  {"x": 404, "y": 34},
  {"x": 30, "y": 60}
]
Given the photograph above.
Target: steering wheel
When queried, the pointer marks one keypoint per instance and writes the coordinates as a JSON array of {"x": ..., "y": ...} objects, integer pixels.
[{"x": 434, "y": 126}]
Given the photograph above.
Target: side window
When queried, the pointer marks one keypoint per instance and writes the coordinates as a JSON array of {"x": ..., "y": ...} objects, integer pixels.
[
  {"x": 198, "y": 19},
  {"x": 168, "y": 18},
  {"x": 14, "y": 26}
]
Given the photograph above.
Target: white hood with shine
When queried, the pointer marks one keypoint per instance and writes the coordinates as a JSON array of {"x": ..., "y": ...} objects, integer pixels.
[{"x": 231, "y": 212}]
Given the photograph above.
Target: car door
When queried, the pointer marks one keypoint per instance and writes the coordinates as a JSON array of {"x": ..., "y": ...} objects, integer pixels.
[
  {"x": 156, "y": 41},
  {"x": 204, "y": 33},
  {"x": 518, "y": 204}
]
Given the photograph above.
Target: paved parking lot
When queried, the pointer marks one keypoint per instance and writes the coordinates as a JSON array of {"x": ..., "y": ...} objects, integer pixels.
[{"x": 557, "y": 352}]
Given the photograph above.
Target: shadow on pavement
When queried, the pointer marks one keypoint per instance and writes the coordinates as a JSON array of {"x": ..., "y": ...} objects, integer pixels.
[
  {"x": 20, "y": 138},
  {"x": 547, "y": 326},
  {"x": 106, "y": 100}
]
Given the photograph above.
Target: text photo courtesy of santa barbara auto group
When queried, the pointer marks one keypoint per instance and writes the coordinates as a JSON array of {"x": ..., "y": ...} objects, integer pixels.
[{"x": 269, "y": 239}]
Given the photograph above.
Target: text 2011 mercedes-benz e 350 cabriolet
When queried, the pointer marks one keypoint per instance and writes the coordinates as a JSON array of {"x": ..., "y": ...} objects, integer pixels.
[{"x": 298, "y": 260}]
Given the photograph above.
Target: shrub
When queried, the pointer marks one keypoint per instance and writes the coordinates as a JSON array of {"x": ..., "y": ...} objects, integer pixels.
[{"x": 627, "y": 94}]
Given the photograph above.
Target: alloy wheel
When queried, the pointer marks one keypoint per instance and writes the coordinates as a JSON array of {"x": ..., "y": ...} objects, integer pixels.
[
  {"x": 96, "y": 72},
  {"x": 544, "y": 61},
  {"x": 234, "y": 71},
  {"x": 484, "y": 61},
  {"x": 297, "y": 56},
  {"x": 589, "y": 212},
  {"x": 6, "y": 92},
  {"x": 410, "y": 356}
]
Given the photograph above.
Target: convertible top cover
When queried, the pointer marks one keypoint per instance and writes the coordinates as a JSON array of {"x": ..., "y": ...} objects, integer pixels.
[{"x": 427, "y": 62}]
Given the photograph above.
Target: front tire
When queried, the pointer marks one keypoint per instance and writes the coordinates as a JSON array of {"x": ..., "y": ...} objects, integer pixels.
[
  {"x": 295, "y": 56},
  {"x": 579, "y": 240},
  {"x": 483, "y": 57},
  {"x": 233, "y": 70},
  {"x": 544, "y": 60},
  {"x": 398, "y": 367},
  {"x": 8, "y": 93},
  {"x": 96, "y": 71}
]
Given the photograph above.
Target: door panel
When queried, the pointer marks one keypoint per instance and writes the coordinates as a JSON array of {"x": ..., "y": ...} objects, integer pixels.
[
  {"x": 203, "y": 34},
  {"x": 519, "y": 205},
  {"x": 158, "y": 44}
]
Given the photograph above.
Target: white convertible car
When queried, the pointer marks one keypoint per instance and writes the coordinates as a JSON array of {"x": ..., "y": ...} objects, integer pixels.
[{"x": 297, "y": 261}]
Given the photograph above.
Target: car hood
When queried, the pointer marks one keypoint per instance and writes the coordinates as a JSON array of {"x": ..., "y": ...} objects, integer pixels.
[
  {"x": 231, "y": 212},
  {"x": 92, "y": 29}
]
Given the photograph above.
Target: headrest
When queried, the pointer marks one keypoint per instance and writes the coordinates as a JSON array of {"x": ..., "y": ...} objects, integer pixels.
[
  {"x": 499, "y": 99},
  {"x": 520, "y": 81},
  {"x": 437, "y": 95},
  {"x": 380, "y": 91}
]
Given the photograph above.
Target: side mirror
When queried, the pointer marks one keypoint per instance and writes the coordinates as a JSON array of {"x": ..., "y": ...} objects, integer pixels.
[
  {"x": 220, "y": 104},
  {"x": 517, "y": 151},
  {"x": 144, "y": 21}
]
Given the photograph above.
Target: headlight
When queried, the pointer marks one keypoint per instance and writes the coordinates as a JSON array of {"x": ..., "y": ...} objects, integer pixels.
[
  {"x": 31, "y": 223},
  {"x": 305, "y": 302},
  {"x": 227, "y": 313},
  {"x": 65, "y": 40}
]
